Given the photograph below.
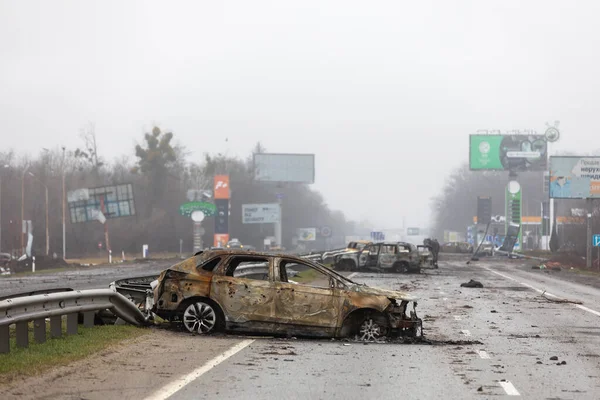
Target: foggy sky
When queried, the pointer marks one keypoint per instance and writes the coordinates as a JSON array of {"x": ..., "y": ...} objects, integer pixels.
[{"x": 384, "y": 93}]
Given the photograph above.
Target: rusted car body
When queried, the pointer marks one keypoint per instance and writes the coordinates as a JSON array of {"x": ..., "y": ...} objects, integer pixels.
[
  {"x": 393, "y": 256},
  {"x": 250, "y": 291},
  {"x": 351, "y": 258}
]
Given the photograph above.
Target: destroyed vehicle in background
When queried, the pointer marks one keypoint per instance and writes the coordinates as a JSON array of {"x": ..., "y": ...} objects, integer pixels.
[
  {"x": 245, "y": 291},
  {"x": 425, "y": 255},
  {"x": 456, "y": 247},
  {"x": 393, "y": 257},
  {"x": 333, "y": 256},
  {"x": 486, "y": 248},
  {"x": 386, "y": 256}
]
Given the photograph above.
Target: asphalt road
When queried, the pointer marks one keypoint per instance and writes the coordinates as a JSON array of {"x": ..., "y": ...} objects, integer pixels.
[
  {"x": 519, "y": 331},
  {"x": 493, "y": 342},
  {"x": 81, "y": 278}
]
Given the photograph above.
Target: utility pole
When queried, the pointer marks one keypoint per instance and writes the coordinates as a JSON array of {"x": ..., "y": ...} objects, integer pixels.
[
  {"x": 64, "y": 241},
  {"x": 22, "y": 227},
  {"x": 3, "y": 167},
  {"x": 588, "y": 258},
  {"x": 47, "y": 228}
]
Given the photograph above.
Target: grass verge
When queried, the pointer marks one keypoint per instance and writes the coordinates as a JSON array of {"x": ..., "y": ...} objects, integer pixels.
[{"x": 40, "y": 357}]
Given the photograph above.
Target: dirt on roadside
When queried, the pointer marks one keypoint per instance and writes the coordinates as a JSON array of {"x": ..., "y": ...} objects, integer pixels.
[{"x": 131, "y": 370}]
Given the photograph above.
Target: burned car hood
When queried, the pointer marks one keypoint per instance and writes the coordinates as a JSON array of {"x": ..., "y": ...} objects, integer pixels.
[{"x": 394, "y": 294}]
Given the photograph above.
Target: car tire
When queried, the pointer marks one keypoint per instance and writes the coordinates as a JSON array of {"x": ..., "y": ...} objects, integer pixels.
[
  {"x": 373, "y": 327},
  {"x": 347, "y": 265},
  {"x": 401, "y": 268},
  {"x": 201, "y": 316}
]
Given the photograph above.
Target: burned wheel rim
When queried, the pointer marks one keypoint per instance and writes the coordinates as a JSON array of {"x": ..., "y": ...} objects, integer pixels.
[
  {"x": 370, "y": 330},
  {"x": 200, "y": 317}
]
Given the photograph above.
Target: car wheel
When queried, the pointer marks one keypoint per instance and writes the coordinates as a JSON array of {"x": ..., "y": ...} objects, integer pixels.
[
  {"x": 201, "y": 317},
  {"x": 401, "y": 267},
  {"x": 372, "y": 328},
  {"x": 347, "y": 265}
]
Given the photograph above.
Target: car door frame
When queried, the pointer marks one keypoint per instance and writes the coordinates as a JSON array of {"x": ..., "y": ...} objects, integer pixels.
[
  {"x": 307, "y": 309},
  {"x": 248, "y": 304}
]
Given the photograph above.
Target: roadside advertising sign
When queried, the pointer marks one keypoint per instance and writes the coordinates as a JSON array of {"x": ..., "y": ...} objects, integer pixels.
[
  {"x": 508, "y": 152},
  {"x": 574, "y": 177}
]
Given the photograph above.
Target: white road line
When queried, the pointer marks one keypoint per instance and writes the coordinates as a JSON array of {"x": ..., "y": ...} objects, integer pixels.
[
  {"x": 587, "y": 309},
  {"x": 442, "y": 292},
  {"x": 457, "y": 318},
  {"x": 543, "y": 291},
  {"x": 484, "y": 355},
  {"x": 173, "y": 387},
  {"x": 466, "y": 332},
  {"x": 352, "y": 275},
  {"x": 509, "y": 388}
]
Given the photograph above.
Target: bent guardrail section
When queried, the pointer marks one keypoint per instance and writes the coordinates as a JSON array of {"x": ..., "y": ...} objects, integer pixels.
[{"x": 22, "y": 310}]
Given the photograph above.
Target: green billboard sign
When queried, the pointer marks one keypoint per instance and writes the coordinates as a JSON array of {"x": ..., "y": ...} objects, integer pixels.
[
  {"x": 508, "y": 152},
  {"x": 187, "y": 209}
]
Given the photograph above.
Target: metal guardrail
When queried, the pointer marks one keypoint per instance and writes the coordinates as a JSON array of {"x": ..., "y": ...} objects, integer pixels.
[{"x": 22, "y": 310}]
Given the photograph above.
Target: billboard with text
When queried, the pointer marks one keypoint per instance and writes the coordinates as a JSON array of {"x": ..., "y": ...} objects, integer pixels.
[
  {"x": 574, "y": 177},
  {"x": 508, "y": 152}
]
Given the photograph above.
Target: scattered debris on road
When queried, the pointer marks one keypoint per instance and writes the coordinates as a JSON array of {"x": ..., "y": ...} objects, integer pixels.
[
  {"x": 551, "y": 300},
  {"x": 472, "y": 284}
]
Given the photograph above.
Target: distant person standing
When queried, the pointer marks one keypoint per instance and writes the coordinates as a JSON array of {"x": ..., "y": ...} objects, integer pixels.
[
  {"x": 436, "y": 251},
  {"x": 434, "y": 248}
]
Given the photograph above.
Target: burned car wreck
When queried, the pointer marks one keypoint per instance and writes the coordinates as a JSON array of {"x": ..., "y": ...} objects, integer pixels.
[{"x": 250, "y": 292}]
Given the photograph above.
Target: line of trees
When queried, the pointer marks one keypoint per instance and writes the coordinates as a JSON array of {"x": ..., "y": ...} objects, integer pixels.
[{"x": 161, "y": 175}]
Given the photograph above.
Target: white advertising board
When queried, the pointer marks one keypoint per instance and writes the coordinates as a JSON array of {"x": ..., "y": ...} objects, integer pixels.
[
  {"x": 260, "y": 213},
  {"x": 296, "y": 168}
]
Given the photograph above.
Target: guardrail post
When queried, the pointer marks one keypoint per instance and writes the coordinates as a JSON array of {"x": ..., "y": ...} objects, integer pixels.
[
  {"x": 56, "y": 326},
  {"x": 88, "y": 319},
  {"x": 22, "y": 334},
  {"x": 39, "y": 330},
  {"x": 72, "y": 324},
  {"x": 4, "y": 339}
]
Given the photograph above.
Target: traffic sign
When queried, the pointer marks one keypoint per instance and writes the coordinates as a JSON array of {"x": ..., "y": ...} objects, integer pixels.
[
  {"x": 325, "y": 231},
  {"x": 596, "y": 240}
]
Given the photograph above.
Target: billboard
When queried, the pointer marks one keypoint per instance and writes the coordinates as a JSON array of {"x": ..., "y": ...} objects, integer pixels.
[
  {"x": 508, "y": 152},
  {"x": 307, "y": 234},
  {"x": 221, "y": 188},
  {"x": 260, "y": 213},
  {"x": 574, "y": 177},
  {"x": 110, "y": 201},
  {"x": 295, "y": 168},
  {"x": 412, "y": 231}
]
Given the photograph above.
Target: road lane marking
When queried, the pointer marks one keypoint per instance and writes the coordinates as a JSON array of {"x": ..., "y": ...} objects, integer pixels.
[
  {"x": 173, "y": 387},
  {"x": 587, "y": 309},
  {"x": 484, "y": 355},
  {"x": 442, "y": 292},
  {"x": 352, "y": 275},
  {"x": 544, "y": 292},
  {"x": 457, "y": 318},
  {"x": 466, "y": 332},
  {"x": 509, "y": 388}
]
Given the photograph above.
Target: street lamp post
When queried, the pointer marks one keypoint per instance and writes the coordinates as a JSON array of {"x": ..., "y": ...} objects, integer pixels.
[{"x": 47, "y": 231}]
